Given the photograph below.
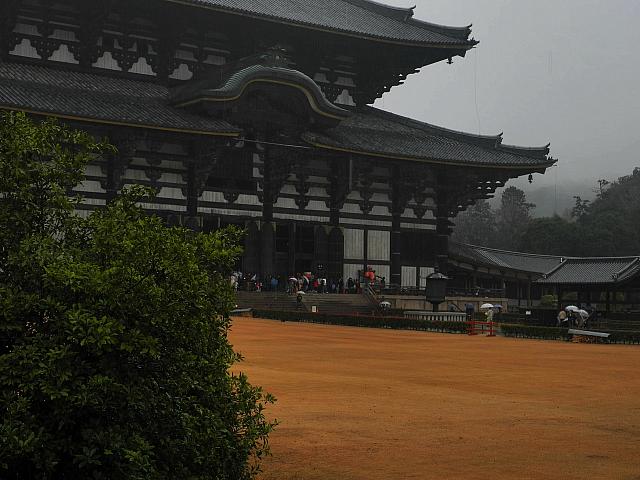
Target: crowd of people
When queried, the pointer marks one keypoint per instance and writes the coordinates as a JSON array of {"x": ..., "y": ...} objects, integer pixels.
[{"x": 301, "y": 282}]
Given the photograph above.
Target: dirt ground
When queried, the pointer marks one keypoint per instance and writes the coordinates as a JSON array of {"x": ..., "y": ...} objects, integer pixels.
[{"x": 381, "y": 404}]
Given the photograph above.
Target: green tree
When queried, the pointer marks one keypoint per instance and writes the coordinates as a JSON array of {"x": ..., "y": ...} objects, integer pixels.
[
  {"x": 114, "y": 360},
  {"x": 476, "y": 225},
  {"x": 513, "y": 219},
  {"x": 549, "y": 236}
]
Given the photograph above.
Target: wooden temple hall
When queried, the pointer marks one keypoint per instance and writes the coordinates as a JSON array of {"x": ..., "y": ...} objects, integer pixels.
[{"x": 258, "y": 114}]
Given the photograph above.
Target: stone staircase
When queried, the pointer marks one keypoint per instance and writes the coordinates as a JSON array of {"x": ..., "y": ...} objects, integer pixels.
[
  {"x": 339, "y": 304},
  {"x": 278, "y": 301},
  {"x": 324, "y": 303}
]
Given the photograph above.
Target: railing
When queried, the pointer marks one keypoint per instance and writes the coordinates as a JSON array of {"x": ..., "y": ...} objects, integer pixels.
[
  {"x": 437, "y": 316},
  {"x": 394, "y": 289},
  {"x": 370, "y": 294},
  {"x": 476, "y": 292}
]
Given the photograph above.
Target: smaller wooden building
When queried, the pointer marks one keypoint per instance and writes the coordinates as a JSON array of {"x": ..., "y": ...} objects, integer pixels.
[{"x": 606, "y": 284}]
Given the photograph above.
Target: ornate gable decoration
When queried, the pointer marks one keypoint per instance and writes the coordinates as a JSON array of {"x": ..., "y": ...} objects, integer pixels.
[{"x": 260, "y": 78}]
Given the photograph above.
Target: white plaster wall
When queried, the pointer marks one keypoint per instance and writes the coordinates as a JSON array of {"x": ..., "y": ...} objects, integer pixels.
[
  {"x": 301, "y": 218},
  {"x": 248, "y": 200},
  {"x": 353, "y": 243},
  {"x": 351, "y": 270},
  {"x": 417, "y": 226},
  {"x": 424, "y": 273},
  {"x": 229, "y": 211},
  {"x": 63, "y": 54},
  {"x": 142, "y": 67},
  {"x": 24, "y": 49},
  {"x": 107, "y": 61},
  {"x": 369, "y": 223},
  {"x": 173, "y": 193},
  {"x": 89, "y": 186},
  {"x": 408, "y": 276},
  {"x": 382, "y": 271},
  {"x": 209, "y": 196},
  {"x": 286, "y": 203},
  {"x": 379, "y": 245}
]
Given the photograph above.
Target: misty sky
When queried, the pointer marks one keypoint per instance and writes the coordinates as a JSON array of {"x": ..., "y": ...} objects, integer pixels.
[{"x": 560, "y": 71}]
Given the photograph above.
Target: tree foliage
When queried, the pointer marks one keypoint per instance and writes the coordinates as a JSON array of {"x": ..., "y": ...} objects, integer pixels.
[
  {"x": 477, "y": 225},
  {"x": 606, "y": 226},
  {"x": 114, "y": 360}
]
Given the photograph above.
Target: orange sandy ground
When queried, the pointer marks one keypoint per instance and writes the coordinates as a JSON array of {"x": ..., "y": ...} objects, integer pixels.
[{"x": 381, "y": 404}]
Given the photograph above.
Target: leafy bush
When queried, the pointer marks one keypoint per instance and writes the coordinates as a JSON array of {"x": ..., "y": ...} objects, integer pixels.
[
  {"x": 530, "y": 331},
  {"x": 395, "y": 323},
  {"x": 114, "y": 361},
  {"x": 549, "y": 301}
]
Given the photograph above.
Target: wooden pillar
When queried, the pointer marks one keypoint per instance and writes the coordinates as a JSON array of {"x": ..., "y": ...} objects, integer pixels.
[
  {"x": 529, "y": 300},
  {"x": 118, "y": 161},
  {"x": 442, "y": 245},
  {"x": 251, "y": 255},
  {"x": 321, "y": 252},
  {"x": 559, "y": 295},
  {"x": 267, "y": 249},
  {"x": 335, "y": 253},
  {"x": 192, "y": 190},
  {"x": 396, "y": 246},
  {"x": 292, "y": 231}
]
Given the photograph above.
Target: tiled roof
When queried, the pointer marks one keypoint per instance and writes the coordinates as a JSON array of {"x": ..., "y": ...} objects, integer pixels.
[
  {"x": 356, "y": 17},
  {"x": 376, "y": 132},
  {"x": 593, "y": 271},
  {"x": 501, "y": 259},
  {"x": 86, "y": 96}
]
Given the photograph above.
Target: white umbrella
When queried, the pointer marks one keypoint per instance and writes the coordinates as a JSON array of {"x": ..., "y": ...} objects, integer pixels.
[
  {"x": 385, "y": 304},
  {"x": 301, "y": 292},
  {"x": 293, "y": 279},
  {"x": 485, "y": 306},
  {"x": 572, "y": 308}
]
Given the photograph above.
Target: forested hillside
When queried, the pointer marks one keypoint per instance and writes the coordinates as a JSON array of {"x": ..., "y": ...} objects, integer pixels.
[{"x": 607, "y": 226}]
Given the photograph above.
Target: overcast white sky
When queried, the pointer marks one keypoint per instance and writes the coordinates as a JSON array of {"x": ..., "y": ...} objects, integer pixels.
[{"x": 559, "y": 71}]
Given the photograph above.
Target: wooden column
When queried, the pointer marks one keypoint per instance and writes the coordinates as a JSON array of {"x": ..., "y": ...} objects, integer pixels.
[
  {"x": 204, "y": 156},
  {"x": 267, "y": 249},
  {"x": 442, "y": 246},
  {"x": 396, "y": 246},
  {"x": 251, "y": 255},
  {"x": 276, "y": 169},
  {"x": 339, "y": 178},
  {"x": 321, "y": 253},
  {"x": 118, "y": 161},
  {"x": 336, "y": 253},
  {"x": 400, "y": 195}
]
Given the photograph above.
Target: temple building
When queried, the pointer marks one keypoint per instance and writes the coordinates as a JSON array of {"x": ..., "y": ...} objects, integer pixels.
[{"x": 258, "y": 114}]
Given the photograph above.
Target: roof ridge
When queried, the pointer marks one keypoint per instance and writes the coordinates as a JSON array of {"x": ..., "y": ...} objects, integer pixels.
[
  {"x": 465, "y": 137},
  {"x": 591, "y": 259},
  {"x": 397, "y": 13},
  {"x": 442, "y": 35},
  {"x": 626, "y": 268},
  {"x": 484, "y": 141},
  {"x": 525, "y": 254},
  {"x": 406, "y": 14}
]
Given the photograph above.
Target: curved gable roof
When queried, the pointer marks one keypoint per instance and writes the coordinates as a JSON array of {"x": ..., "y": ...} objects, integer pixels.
[
  {"x": 522, "y": 262},
  {"x": 370, "y": 131},
  {"x": 363, "y": 18}
]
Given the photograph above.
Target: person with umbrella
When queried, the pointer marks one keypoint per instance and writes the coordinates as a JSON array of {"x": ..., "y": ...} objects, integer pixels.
[
  {"x": 562, "y": 317},
  {"x": 489, "y": 311}
]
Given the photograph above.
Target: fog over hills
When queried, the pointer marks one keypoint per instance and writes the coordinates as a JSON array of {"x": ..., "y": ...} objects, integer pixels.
[{"x": 564, "y": 72}]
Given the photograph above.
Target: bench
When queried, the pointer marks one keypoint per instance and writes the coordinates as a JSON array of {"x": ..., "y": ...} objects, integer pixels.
[{"x": 587, "y": 333}]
